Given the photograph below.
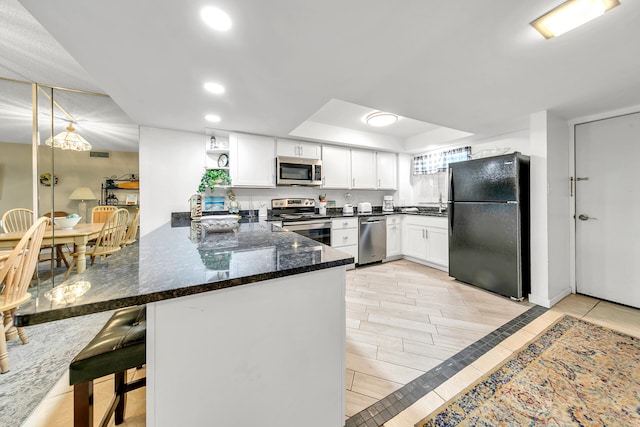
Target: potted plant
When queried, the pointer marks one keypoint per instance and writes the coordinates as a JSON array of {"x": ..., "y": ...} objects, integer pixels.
[{"x": 213, "y": 177}]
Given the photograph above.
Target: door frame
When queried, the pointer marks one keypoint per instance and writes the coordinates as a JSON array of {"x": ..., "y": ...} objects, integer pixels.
[{"x": 572, "y": 176}]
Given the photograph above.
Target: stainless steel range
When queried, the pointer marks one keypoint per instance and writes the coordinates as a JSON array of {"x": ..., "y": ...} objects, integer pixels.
[{"x": 299, "y": 215}]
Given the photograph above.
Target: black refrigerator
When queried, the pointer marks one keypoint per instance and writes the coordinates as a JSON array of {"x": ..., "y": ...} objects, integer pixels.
[{"x": 488, "y": 211}]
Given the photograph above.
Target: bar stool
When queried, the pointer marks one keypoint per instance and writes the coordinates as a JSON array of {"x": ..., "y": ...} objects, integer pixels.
[{"x": 120, "y": 345}]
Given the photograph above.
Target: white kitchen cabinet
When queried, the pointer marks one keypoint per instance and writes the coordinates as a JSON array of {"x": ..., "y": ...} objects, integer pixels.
[
  {"x": 344, "y": 235},
  {"x": 336, "y": 167},
  {"x": 394, "y": 236},
  {"x": 252, "y": 161},
  {"x": 363, "y": 169},
  {"x": 426, "y": 239},
  {"x": 305, "y": 150},
  {"x": 386, "y": 171}
]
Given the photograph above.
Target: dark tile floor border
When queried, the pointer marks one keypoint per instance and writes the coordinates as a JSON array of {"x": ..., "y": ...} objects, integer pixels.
[{"x": 390, "y": 406}]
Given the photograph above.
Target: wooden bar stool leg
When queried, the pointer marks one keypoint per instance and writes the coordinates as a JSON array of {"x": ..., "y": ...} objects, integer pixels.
[
  {"x": 83, "y": 404},
  {"x": 121, "y": 395}
]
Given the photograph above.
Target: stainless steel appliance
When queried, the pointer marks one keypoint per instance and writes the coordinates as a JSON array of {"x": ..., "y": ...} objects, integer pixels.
[
  {"x": 387, "y": 204},
  {"x": 299, "y": 215},
  {"x": 489, "y": 223},
  {"x": 297, "y": 171},
  {"x": 372, "y": 245}
]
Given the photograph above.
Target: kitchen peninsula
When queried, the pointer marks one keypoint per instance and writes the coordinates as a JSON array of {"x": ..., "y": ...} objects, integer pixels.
[{"x": 234, "y": 321}]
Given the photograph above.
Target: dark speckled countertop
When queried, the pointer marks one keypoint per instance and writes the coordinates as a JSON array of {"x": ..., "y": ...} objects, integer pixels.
[{"x": 172, "y": 262}]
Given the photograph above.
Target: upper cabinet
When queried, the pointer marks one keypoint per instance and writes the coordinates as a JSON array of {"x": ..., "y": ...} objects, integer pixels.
[
  {"x": 305, "y": 150},
  {"x": 358, "y": 169},
  {"x": 336, "y": 167},
  {"x": 363, "y": 169},
  {"x": 386, "y": 171},
  {"x": 252, "y": 161}
]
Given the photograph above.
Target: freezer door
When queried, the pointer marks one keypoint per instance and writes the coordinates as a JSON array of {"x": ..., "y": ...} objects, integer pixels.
[
  {"x": 491, "y": 179},
  {"x": 485, "y": 246}
]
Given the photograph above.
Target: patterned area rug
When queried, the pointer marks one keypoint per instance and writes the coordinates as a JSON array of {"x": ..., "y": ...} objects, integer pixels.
[{"x": 574, "y": 374}]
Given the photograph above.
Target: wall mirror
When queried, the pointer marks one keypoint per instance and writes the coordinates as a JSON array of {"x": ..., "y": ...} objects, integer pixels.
[{"x": 43, "y": 177}]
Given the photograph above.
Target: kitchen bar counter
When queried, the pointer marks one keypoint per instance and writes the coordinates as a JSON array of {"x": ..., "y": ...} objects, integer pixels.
[
  {"x": 175, "y": 262},
  {"x": 229, "y": 317}
]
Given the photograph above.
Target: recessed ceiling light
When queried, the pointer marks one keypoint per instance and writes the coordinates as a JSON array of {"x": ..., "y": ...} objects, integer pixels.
[
  {"x": 380, "y": 118},
  {"x": 212, "y": 118},
  {"x": 212, "y": 87},
  {"x": 571, "y": 14},
  {"x": 215, "y": 18}
]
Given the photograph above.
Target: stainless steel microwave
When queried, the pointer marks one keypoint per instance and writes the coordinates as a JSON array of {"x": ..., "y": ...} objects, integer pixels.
[{"x": 297, "y": 171}]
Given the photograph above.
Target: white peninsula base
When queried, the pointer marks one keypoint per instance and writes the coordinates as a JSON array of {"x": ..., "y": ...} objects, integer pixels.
[{"x": 270, "y": 353}]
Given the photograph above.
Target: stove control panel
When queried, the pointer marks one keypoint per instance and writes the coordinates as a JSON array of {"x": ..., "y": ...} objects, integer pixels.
[{"x": 292, "y": 203}]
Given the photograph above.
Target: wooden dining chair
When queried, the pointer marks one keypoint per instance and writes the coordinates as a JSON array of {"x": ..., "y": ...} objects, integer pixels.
[
  {"x": 59, "y": 258},
  {"x": 15, "y": 276},
  {"x": 100, "y": 214},
  {"x": 18, "y": 219},
  {"x": 132, "y": 230},
  {"x": 109, "y": 240}
]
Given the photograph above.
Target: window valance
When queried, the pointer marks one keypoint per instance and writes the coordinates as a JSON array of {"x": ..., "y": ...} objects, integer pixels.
[{"x": 435, "y": 162}]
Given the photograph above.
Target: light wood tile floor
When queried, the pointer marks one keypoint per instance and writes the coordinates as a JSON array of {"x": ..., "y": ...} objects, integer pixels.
[{"x": 402, "y": 320}]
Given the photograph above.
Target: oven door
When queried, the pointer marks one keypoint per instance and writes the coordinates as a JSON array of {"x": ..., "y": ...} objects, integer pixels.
[{"x": 320, "y": 231}]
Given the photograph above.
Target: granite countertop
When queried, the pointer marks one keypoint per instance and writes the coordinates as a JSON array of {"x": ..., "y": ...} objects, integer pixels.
[{"x": 172, "y": 262}]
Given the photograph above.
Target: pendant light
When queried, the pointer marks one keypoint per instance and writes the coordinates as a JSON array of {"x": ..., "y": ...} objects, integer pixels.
[{"x": 69, "y": 140}]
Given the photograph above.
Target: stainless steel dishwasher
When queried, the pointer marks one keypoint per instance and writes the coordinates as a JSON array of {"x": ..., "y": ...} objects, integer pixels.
[{"x": 372, "y": 245}]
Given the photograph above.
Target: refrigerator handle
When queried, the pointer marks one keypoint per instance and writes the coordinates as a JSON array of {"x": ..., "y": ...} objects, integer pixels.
[
  {"x": 450, "y": 215},
  {"x": 450, "y": 194}
]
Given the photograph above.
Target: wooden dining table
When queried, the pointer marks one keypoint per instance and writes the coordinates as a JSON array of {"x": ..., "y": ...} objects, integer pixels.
[{"x": 79, "y": 235}]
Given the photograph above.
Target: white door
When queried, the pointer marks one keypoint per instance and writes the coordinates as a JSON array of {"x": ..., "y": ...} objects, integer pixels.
[{"x": 608, "y": 209}]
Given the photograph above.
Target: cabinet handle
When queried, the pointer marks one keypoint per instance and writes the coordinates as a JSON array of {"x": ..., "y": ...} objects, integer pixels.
[
  {"x": 426, "y": 234},
  {"x": 345, "y": 224},
  {"x": 378, "y": 182},
  {"x": 353, "y": 182},
  {"x": 301, "y": 148},
  {"x": 423, "y": 233}
]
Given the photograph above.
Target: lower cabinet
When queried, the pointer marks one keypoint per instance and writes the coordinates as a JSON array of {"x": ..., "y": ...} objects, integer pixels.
[
  {"x": 426, "y": 239},
  {"x": 344, "y": 235},
  {"x": 394, "y": 236}
]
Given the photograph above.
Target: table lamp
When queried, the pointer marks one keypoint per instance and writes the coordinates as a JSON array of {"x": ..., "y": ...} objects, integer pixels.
[{"x": 82, "y": 194}]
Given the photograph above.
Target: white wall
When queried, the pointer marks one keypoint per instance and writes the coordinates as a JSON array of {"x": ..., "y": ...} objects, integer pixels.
[
  {"x": 550, "y": 210},
  {"x": 171, "y": 164}
]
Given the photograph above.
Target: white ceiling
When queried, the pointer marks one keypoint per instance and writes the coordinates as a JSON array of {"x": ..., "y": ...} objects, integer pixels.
[{"x": 310, "y": 69}]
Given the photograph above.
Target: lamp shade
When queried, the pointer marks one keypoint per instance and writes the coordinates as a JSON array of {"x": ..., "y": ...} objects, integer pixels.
[
  {"x": 82, "y": 193},
  {"x": 69, "y": 140}
]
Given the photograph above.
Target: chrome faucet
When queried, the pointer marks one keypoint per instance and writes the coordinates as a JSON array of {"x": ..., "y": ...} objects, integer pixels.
[{"x": 441, "y": 206}]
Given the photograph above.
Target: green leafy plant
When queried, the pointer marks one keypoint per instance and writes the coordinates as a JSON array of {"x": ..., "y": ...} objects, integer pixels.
[{"x": 213, "y": 177}]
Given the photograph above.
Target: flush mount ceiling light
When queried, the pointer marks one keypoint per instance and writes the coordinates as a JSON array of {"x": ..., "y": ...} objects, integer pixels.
[
  {"x": 571, "y": 14},
  {"x": 215, "y": 88},
  {"x": 69, "y": 140},
  {"x": 216, "y": 18},
  {"x": 212, "y": 118},
  {"x": 380, "y": 118}
]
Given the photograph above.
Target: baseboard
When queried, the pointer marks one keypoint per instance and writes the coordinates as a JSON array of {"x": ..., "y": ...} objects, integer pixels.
[
  {"x": 428, "y": 264},
  {"x": 549, "y": 302}
]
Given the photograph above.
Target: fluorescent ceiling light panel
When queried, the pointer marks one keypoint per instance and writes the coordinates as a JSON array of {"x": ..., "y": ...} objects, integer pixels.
[
  {"x": 380, "y": 118},
  {"x": 215, "y": 88},
  {"x": 216, "y": 18},
  {"x": 212, "y": 118},
  {"x": 571, "y": 14}
]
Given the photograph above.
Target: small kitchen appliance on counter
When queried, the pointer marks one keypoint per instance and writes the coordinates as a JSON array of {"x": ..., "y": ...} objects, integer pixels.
[
  {"x": 347, "y": 208},
  {"x": 364, "y": 208},
  {"x": 387, "y": 204}
]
